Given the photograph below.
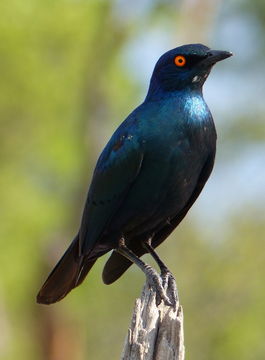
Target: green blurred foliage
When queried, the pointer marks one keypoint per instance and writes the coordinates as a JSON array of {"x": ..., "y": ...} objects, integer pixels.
[{"x": 63, "y": 90}]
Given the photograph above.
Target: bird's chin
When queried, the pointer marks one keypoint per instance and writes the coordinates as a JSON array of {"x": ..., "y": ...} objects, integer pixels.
[{"x": 200, "y": 78}]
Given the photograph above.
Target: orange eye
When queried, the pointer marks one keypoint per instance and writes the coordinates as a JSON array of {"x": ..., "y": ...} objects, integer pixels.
[{"x": 180, "y": 60}]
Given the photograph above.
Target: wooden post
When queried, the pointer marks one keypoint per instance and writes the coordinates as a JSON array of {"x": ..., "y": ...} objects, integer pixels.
[{"x": 156, "y": 332}]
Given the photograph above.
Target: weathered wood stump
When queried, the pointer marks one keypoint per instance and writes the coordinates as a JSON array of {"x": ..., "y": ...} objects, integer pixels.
[{"x": 156, "y": 332}]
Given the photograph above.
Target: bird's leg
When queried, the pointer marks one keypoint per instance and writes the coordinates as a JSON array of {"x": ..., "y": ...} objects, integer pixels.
[
  {"x": 152, "y": 276},
  {"x": 168, "y": 280}
]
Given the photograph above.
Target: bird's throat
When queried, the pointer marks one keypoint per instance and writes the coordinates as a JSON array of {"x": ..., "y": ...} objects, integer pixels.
[{"x": 195, "y": 107}]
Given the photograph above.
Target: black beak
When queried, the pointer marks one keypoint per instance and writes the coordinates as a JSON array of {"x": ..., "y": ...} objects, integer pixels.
[{"x": 213, "y": 56}]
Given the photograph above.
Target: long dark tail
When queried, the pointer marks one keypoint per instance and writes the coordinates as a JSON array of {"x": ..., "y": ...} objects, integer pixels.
[{"x": 67, "y": 274}]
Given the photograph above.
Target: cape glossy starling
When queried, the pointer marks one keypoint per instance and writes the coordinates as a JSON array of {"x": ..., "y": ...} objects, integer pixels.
[{"x": 146, "y": 179}]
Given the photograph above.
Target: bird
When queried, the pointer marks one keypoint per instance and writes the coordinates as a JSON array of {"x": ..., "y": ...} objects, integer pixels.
[{"x": 146, "y": 179}]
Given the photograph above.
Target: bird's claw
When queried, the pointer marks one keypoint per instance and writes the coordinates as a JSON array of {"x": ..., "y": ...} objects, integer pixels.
[
  {"x": 155, "y": 282},
  {"x": 170, "y": 287}
]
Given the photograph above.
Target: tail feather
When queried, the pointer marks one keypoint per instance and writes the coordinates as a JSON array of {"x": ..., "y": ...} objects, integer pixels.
[
  {"x": 67, "y": 274},
  {"x": 117, "y": 264}
]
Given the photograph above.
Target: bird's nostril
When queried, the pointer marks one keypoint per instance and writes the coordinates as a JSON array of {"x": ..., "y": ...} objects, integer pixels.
[{"x": 209, "y": 53}]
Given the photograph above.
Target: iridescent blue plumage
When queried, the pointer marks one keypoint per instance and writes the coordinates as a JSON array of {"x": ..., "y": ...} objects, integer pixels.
[{"x": 149, "y": 174}]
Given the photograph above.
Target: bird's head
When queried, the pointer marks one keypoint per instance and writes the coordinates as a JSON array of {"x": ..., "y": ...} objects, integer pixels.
[{"x": 187, "y": 66}]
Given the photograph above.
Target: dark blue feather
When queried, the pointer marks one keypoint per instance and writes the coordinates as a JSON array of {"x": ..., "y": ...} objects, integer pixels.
[{"x": 149, "y": 174}]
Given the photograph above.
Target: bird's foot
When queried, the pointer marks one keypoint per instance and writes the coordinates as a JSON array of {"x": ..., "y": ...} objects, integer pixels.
[
  {"x": 170, "y": 287},
  {"x": 155, "y": 282}
]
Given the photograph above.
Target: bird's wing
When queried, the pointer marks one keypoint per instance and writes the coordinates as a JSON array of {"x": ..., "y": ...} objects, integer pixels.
[
  {"x": 118, "y": 264},
  {"x": 115, "y": 172}
]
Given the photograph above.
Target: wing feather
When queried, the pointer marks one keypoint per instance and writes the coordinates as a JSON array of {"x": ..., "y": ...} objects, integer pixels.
[
  {"x": 116, "y": 265},
  {"x": 115, "y": 172}
]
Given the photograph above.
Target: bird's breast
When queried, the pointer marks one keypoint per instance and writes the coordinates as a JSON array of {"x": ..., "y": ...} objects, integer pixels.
[
  {"x": 175, "y": 137},
  {"x": 176, "y": 149},
  {"x": 180, "y": 125}
]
